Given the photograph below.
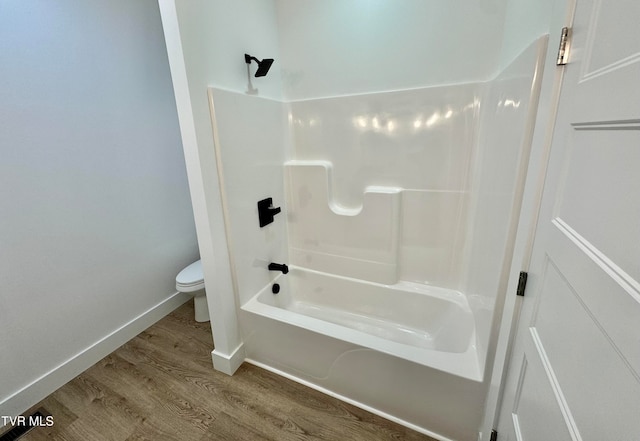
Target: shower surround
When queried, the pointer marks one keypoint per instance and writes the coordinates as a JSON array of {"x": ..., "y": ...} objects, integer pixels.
[
  {"x": 401, "y": 209},
  {"x": 378, "y": 182}
]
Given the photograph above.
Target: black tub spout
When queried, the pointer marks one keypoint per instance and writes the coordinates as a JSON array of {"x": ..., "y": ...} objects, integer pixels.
[{"x": 279, "y": 267}]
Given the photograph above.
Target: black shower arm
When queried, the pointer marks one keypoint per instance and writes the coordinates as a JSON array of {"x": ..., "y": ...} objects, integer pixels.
[{"x": 248, "y": 58}]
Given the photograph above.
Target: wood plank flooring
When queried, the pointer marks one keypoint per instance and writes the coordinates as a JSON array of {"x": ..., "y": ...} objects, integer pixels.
[{"x": 161, "y": 386}]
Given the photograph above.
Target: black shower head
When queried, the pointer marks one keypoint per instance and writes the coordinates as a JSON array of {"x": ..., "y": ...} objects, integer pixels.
[{"x": 263, "y": 66}]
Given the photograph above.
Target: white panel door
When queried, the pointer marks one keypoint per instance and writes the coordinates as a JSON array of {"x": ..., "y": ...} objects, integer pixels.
[{"x": 574, "y": 372}]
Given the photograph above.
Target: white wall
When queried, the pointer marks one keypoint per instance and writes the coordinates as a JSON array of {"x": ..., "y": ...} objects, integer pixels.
[
  {"x": 216, "y": 35},
  {"x": 336, "y": 47},
  {"x": 525, "y": 20},
  {"x": 206, "y": 43},
  {"x": 96, "y": 217}
]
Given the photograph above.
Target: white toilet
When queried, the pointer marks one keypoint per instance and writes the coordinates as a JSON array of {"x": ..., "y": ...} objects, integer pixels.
[{"x": 191, "y": 280}]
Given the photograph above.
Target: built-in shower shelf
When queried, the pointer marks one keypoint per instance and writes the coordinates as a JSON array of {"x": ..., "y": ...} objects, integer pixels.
[{"x": 358, "y": 242}]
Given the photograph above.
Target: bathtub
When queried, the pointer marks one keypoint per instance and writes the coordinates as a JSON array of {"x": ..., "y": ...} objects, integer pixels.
[{"x": 427, "y": 325}]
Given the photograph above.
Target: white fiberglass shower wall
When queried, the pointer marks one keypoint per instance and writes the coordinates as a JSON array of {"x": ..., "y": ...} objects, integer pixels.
[{"x": 397, "y": 163}]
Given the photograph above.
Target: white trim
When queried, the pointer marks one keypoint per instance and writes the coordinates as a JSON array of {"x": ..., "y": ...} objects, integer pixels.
[
  {"x": 228, "y": 364},
  {"x": 212, "y": 239},
  {"x": 608, "y": 266},
  {"x": 569, "y": 420},
  {"x": 538, "y": 135},
  {"x": 48, "y": 383},
  {"x": 516, "y": 427},
  {"x": 358, "y": 404},
  {"x": 532, "y": 196}
]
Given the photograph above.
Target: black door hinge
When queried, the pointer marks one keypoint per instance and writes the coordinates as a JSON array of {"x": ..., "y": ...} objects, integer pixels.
[
  {"x": 522, "y": 283},
  {"x": 494, "y": 432}
]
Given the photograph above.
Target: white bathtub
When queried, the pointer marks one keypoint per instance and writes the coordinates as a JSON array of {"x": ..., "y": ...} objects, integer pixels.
[{"x": 427, "y": 325}]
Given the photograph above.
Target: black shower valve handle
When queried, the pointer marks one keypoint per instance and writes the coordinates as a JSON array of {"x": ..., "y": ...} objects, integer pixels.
[{"x": 266, "y": 211}]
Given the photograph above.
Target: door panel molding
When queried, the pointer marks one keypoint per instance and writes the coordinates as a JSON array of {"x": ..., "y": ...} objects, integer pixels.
[
  {"x": 578, "y": 328},
  {"x": 630, "y": 285}
]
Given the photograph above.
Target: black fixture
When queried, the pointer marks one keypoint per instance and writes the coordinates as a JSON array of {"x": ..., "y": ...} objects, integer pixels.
[
  {"x": 275, "y": 288},
  {"x": 278, "y": 267},
  {"x": 263, "y": 66},
  {"x": 266, "y": 211},
  {"x": 522, "y": 283}
]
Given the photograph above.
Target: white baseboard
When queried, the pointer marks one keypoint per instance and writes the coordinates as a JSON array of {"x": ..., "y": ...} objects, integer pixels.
[
  {"x": 31, "y": 394},
  {"x": 228, "y": 364}
]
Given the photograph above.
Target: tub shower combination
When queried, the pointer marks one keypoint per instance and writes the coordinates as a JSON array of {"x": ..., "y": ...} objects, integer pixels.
[
  {"x": 427, "y": 325},
  {"x": 373, "y": 271}
]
